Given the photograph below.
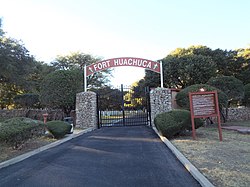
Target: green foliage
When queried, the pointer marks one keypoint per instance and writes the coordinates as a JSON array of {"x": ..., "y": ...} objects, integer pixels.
[
  {"x": 151, "y": 79},
  {"x": 195, "y": 65},
  {"x": 20, "y": 72},
  {"x": 59, "y": 88},
  {"x": 78, "y": 60},
  {"x": 231, "y": 86},
  {"x": 246, "y": 100},
  {"x": 182, "y": 97},
  {"x": 1, "y": 30},
  {"x": 174, "y": 122},
  {"x": 244, "y": 56},
  {"x": 27, "y": 100},
  {"x": 183, "y": 71},
  {"x": 58, "y": 128},
  {"x": 16, "y": 131},
  {"x": 16, "y": 63},
  {"x": 109, "y": 98}
]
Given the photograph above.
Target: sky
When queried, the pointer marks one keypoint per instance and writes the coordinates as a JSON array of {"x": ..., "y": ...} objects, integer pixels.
[{"x": 148, "y": 29}]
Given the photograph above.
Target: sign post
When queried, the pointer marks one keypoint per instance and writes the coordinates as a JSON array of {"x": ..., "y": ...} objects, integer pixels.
[{"x": 203, "y": 105}]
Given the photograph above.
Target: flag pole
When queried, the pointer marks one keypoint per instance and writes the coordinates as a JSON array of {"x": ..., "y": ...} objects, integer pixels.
[{"x": 161, "y": 74}]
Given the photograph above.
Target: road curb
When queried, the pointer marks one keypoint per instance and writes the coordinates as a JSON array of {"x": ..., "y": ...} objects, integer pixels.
[
  {"x": 204, "y": 182},
  {"x": 38, "y": 150}
]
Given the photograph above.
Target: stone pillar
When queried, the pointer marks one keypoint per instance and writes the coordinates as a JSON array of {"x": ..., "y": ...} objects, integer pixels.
[
  {"x": 86, "y": 110},
  {"x": 160, "y": 101}
]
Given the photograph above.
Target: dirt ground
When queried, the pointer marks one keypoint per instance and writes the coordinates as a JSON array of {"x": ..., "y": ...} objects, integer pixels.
[
  {"x": 7, "y": 152},
  {"x": 226, "y": 163}
]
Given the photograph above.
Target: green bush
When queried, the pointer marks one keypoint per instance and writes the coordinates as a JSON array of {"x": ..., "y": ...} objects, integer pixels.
[
  {"x": 182, "y": 97},
  {"x": 246, "y": 99},
  {"x": 16, "y": 131},
  {"x": 58, "y": 128},
  {"x": 174, "y": 122}
]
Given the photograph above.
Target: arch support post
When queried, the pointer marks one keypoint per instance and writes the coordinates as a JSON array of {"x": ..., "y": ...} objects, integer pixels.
[{"x": 86, "y": 107}]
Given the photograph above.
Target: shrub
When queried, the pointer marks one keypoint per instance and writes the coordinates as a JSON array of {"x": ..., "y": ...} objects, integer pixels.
[
  {"x": 182, "y": 97},
  {"x": 173, "y": 122},
  {"x": 58, "y": 128},
  {"x": 231, "y": 86},
  {"x": 247, "y": 95},
  {"x": 16, "y": 131}
]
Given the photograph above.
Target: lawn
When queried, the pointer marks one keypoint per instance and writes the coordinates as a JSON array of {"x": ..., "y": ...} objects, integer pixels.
[{"x": 225, "y": 163}]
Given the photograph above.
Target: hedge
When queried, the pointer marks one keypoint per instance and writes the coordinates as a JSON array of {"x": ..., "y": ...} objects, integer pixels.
[
  {"x": 58, "y": 128},
  {"x": 16, "y": 131},
  {"x": 174, "y": 122}
]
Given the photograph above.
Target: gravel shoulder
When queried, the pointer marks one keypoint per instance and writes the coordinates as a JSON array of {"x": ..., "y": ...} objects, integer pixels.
[{"x": 224, "y": 163}]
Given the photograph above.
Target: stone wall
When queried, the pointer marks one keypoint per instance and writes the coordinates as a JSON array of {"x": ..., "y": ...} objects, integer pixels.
[
  {"x": 160, "y": 101},
  {"x": 238, "y": 114},
  {"x": 86, "y": 110},
  {"x": 33, "y": 114}
]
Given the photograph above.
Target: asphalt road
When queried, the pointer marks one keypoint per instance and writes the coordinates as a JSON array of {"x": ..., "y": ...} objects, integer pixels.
[{"x": 111, "y": 156}]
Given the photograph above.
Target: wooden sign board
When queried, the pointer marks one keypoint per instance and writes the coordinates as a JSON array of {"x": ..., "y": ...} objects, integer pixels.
[{"x": 204, "y": 105}]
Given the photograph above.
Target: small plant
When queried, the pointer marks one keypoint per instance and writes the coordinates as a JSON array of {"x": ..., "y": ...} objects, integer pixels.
[
  {"x": 174, "y": 122},
  {"x": 58, "y": 128}
]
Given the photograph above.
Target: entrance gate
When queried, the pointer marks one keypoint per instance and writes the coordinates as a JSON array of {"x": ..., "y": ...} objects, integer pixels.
[{"x": 123, "y": 106}]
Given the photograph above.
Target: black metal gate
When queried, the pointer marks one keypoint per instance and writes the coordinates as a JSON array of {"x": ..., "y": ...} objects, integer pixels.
[{"x": 123, "y": 106}]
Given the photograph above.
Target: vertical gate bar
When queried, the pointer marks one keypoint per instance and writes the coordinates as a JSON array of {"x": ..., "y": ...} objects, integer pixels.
[
  {"x": 147, "y": 104},
  {"x": 123, "y": 112},
  {"x": 149, "y": 107},
  {"x": 97, "y": 111}
]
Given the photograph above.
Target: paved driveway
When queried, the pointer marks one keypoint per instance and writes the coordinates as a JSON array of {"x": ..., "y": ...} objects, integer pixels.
[{"x": 111, "y": 156}]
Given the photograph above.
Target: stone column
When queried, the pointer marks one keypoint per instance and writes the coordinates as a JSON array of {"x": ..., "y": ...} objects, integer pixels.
[
  {"x": 160, "y": 101},
  {"x": 86, "y": 110}
]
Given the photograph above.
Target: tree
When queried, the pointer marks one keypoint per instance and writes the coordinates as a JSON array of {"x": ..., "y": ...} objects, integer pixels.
[
  {"x": 28, "y": 100},
  {"x": 59, "y": 88},
  {"x": 231, "y": 86},
  {"x": 151, "y": 79},
  {"x": 1, "y": 30},
  {"x": 246, "y": 99},
  {"x": 244, "y": 56},
  {"x": 17, "y": 70},
  {"x": 39, "y": 71},
  {"x": 78, "y": 60},
  {"x": 15, "y": 62},
  {"x": 184, "y": 67},
  {"x": 183, "y": 71},
  {"x": 196, "y": 64},
  {"x": 109, "y": 98},
  {"x": 7, "y": 93}
]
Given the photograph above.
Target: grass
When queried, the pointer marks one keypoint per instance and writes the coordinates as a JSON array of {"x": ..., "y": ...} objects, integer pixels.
[{"x": 224, "y": 163}]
